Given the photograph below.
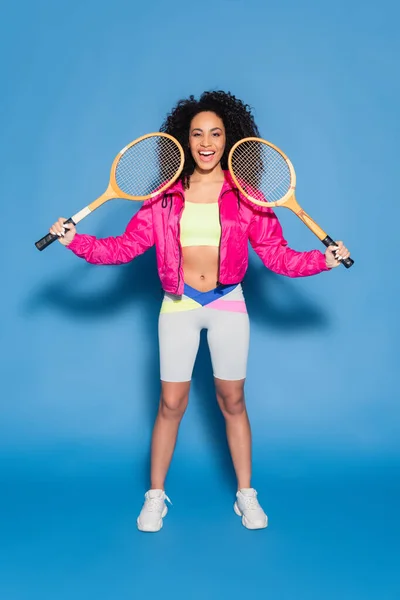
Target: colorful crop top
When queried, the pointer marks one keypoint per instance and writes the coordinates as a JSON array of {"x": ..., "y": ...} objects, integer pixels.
[{"x": 200, "y": 224}]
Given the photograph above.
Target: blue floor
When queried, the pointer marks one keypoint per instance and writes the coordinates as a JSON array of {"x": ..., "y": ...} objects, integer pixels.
[{"x": 71, "y": 534}]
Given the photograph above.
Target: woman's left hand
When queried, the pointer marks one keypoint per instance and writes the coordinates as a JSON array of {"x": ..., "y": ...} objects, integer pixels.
[{"x": 334, "y": 254}]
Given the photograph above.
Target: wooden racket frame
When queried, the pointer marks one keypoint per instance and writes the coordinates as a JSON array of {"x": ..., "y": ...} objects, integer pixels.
[
  {"x": 113, "y": 190},
  {"x": 289, "y": 199}
]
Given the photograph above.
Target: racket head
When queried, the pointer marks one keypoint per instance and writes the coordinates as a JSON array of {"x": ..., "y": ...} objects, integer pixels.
[
  {"x": 262, "y": 172},
  {"x": 147, "y": 166}
]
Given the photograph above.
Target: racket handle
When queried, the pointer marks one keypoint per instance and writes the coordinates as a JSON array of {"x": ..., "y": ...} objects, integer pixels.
[
  {"x": 50, "y": 238},
  {"x": 347, "y": 262}
]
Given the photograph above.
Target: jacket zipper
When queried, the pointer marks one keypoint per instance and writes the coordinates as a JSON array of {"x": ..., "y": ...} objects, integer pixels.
[{"x": 220, "y": 239}]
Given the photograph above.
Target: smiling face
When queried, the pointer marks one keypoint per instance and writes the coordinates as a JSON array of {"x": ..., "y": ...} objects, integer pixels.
[{"x": 207, "y": 140}]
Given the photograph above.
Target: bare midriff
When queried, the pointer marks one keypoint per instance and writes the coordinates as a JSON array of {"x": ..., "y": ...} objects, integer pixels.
[{"x": 200, "y": 267}]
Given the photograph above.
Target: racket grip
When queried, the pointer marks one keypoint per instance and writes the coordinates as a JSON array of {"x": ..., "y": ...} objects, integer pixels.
[
  {"x": 49, "y": 238},
  {"x": 347, "y": 262}
]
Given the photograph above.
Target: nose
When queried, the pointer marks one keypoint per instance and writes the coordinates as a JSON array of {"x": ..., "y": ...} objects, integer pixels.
[{"x": 205, "y": 142}]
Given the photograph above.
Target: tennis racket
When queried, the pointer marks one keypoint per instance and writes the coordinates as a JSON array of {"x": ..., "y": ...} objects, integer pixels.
[
  {"x": 266, "y": 177},
  {"x": 142, "y": 170}
]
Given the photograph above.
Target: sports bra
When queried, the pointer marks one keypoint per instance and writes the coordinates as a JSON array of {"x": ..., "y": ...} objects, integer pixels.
[{"x": 200, "y": 224}]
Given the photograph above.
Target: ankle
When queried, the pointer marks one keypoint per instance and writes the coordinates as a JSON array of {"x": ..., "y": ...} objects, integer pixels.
[
  {"x": 157, "y": 486},
  {"x": 244, "y": 485}
]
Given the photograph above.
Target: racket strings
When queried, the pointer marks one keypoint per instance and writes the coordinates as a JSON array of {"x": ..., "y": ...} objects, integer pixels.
[
  {"x": 147, "y": 166},
  {"x": 261, "y": 171}
]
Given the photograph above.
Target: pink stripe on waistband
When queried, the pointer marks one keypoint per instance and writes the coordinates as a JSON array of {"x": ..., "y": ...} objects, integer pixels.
[{"x": 229, "y": 305}]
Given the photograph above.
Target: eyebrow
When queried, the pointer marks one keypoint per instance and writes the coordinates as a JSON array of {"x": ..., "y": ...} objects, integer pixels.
[{"x": 213, "y": 129}]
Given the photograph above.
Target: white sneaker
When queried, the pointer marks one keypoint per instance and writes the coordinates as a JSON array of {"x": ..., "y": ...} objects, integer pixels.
[
  {"x": 153, "y": 511},
  {"x": 247, "y": 507}
]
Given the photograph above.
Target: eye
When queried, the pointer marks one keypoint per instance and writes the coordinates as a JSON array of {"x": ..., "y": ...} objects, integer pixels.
[{"x": 216, "y": 134}]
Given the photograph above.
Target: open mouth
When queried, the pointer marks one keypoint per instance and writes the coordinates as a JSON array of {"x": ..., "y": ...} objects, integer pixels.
[{"x": 206, "y": 155}]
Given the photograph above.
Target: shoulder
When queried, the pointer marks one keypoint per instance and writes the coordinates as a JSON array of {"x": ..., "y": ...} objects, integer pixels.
[
  {"x": 255, "y": 210},
  {"x": 232, "y": 193},
  {"x": 159, "y": 199},
  {"x": 151, "y": 202}
]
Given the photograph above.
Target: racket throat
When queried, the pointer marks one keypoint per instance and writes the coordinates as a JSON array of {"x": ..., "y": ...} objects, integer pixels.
[
  {"x": 292, "y": 204},
  {"x": 109, "y": 194},
  {"x": 295, "y": 207}
]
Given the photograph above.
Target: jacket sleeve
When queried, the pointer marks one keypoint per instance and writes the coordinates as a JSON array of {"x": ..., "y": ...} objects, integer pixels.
[
  {"x": 266, "y": 237},
  {"x": 137, "y": 238}
]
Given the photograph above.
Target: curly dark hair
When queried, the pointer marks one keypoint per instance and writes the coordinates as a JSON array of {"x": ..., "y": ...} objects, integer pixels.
[{"x": 236, "y": 116}]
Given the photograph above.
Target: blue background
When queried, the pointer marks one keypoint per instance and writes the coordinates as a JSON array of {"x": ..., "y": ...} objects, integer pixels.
[{"x": 79, "y": 364}]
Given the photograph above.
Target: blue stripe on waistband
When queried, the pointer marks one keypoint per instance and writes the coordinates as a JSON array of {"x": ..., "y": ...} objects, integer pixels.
[{"x": 205, "y": 298}]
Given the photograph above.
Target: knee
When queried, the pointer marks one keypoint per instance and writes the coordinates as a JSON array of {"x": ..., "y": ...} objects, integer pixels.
[
  {"x": 173, "y": 406},
  {"x": 232, "y": 403}
]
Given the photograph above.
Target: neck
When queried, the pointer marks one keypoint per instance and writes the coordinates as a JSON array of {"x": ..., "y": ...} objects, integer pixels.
[{"x": 207, "y": 176}]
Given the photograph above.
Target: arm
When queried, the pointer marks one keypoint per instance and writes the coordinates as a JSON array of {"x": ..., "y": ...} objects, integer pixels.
[
  {"x": 266, "y": 237},
  {"x": 137, "y": 238}
]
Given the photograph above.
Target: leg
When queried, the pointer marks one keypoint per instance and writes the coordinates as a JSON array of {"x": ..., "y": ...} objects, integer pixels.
[
  {"x": 228, "y": 339},
  {"x": 173, "y": 403},
  {"x": 179, "y": 338},
  {"x": 230, "y": 396}
]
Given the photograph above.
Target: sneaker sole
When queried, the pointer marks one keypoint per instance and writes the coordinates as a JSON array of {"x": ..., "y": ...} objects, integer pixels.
[
  {"x": 155, "y": 527},
  {"x": 248, "y": 524}
]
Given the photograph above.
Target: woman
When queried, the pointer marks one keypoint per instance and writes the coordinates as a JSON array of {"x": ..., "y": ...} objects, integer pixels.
[{"x": 201, "y": 227}]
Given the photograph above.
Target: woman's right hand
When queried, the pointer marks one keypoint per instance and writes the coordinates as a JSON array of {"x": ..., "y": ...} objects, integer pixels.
[{"x": 66, "y": 233}]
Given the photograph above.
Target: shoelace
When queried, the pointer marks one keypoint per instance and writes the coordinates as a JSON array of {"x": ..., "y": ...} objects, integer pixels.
[
  {"x": 251, "y": 502},
  {"x": 156, "y": 504}
]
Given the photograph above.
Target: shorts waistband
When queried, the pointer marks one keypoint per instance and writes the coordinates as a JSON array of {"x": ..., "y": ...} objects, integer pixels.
[
  {"x": 223, "y": 297},
  {"x": 205, "y": 298}
]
